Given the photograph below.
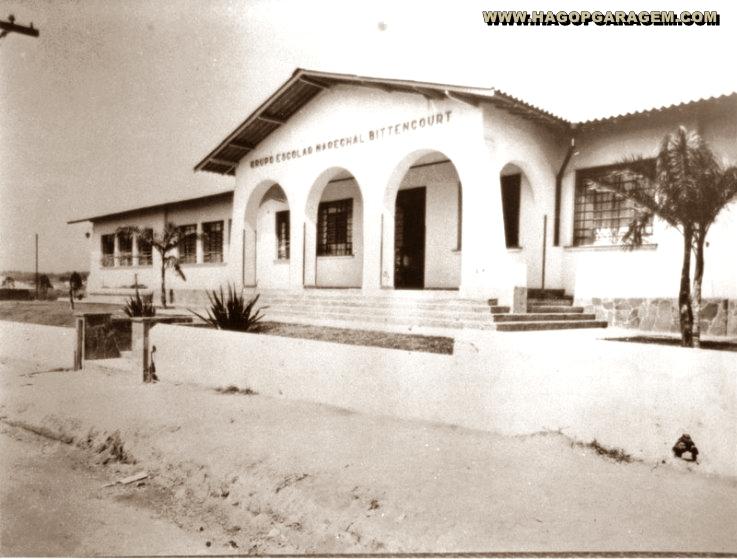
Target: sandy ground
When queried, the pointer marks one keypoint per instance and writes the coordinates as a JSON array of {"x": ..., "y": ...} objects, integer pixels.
[
  {"x": 264, "y": 475},
  {"x": 52, "y": 502}
]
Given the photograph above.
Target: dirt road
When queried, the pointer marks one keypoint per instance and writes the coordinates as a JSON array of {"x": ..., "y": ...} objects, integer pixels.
[
  {"x": 279, "y": 476},
  {"x": 53, "y": 503}
]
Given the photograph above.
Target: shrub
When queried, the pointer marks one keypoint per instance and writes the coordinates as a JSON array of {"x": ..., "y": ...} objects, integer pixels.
[
  {"x": 233, "y": 312},
  {"x": 138, "y": 306}
]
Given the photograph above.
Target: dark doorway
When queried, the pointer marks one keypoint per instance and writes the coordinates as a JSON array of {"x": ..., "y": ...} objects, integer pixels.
[
  {"x": 409, "y": 239},
  {"x": 510, "y": 208}
]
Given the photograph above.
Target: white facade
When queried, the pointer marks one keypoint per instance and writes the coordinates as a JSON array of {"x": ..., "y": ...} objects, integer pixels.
[
  {"x": 123, "y": 273},
  {"x": 369, "y": 144}
]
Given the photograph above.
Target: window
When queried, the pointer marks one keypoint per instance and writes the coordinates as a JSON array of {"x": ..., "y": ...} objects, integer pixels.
[
  {"x": 187, "y": 244},
  {"x": 212, "y": 242},
  {"x": 602, "y": 217},
  {"x": 335, "y": 228},
  {"x": 511, "y": 185},
  {"x": 144, "y": 247},
  {"x": 125, "y": 249},
  {"x": 282, "y": 235},
  {"x": 107, "y": 243}
]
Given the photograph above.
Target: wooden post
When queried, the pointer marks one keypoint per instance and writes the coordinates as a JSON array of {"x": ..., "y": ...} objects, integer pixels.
[{"x": 79, "y": 349}]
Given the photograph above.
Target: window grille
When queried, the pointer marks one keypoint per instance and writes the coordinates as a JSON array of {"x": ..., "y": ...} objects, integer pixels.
[
  {"x": 125, "y": 249},
  {"x": 282, "y": 235},
  {"x": 107, "y": 243},
  {"x": 187, "y": 244},
  {"x": 212, "y": 242},
  {"x": 145, "y": 248},
  {"x": 601, "y": 216},
  {"x": 335, "y": 228}
]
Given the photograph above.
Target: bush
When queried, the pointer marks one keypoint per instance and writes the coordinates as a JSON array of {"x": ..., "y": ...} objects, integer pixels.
[
  {"x": 233, "y": 312},
  {"x": 137, "y": 306}
]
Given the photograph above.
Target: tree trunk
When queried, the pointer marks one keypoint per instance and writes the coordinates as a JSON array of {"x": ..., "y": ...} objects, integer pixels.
[
  {"x": 685, "y": 312},
  {"x": 163, "y": 283},
  {"x": 697, "y": 281}
]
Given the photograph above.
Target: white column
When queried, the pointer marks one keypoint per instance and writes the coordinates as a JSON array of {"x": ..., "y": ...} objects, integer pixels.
[
  {"x": 372, "y": 248},
  {"x": 297, "y": 253},
  {"x": 199, "y": 253},
  {"x": 116, "y": 250},
  {"x": 485, "y": 268},
  {"x": 134, "y": 249}
]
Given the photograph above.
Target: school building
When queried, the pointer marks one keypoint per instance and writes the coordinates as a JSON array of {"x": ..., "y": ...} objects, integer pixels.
[{"x": 385, "y": 188}]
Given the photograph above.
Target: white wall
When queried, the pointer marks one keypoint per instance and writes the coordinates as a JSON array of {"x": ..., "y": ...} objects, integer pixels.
[
  {"x": 653, "y": 271},
  {"x": 199, "y": 276},
  {"x": 379, "y": 166},
  {"x": 272, "y": 273},
  {"x": 342, "y": 271},
  {"x": 639, "y": 397}
]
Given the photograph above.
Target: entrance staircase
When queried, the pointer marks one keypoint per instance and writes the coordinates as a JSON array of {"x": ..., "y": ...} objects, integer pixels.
[{"x": 547, "y": 310}]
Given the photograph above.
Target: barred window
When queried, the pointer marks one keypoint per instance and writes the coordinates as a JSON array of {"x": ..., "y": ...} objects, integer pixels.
[
  {"x": 282, "y": 235},
  {"x": 144, "y": 248},
  {"x": 187, "y": 244},
  {"x": 125, "y": 249},
  {"x": 107, "y": 246},
  {"x": 335, "y": 228},
  {"x": 602, "y": 217},
  {"x": 212, "y": 242}
]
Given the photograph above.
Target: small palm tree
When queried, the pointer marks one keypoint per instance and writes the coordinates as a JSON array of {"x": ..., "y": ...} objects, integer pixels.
[
  {"x": 690, "y": 188},
  {"x": 164, "y": 243}
]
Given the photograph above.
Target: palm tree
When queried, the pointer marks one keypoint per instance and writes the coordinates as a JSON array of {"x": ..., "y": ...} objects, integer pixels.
[
  {"x": 690, "y": 187},
  {"x": 164, "y": 243}
]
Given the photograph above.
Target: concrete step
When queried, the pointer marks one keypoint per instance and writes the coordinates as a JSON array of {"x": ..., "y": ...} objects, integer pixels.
[
  {"x": 540, "y": 317},
  {"x": 560, "y": 301},
  {"x": 536, "y": 293},
  {"x": 549, "y": 325},
  {"x": 378, "y": 304},
  {"x": 537, "y": 308},
  {"x": 296, "y": 316},
  {"x": 355, "y": 313}
]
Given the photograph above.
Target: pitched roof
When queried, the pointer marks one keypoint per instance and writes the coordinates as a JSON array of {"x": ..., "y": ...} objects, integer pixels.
[
  {"x": 164, "y": 205},
  {"x": 304, "y": 85}
]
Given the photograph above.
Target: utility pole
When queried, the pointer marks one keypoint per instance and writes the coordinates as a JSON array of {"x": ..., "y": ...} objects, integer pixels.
[
  {"x": 10, "y": 26},
  {"x": 37, "y": 266}
]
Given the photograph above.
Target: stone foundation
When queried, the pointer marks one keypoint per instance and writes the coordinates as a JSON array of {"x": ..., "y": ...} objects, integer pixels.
[{"x": 718, "y": 316}]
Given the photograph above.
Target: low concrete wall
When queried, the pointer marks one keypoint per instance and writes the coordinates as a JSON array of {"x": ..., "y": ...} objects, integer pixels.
[
  {"x": 636, "y": 397},
  {"x": 51, "y": 345}
]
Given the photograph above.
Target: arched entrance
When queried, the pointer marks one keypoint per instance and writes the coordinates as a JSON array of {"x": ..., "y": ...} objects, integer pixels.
[
  {"x": 423, "y": 204},
  {"x": 334, "y": 231},
  {"x": 523, "y": 222},
  {"x": 267, "y": 248}
]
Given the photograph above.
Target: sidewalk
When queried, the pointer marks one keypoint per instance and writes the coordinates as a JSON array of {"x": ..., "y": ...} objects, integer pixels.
[{"x": 280, "y": 476}]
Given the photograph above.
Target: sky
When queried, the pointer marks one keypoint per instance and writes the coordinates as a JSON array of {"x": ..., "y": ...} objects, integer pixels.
[{"x": 117, "y": 100}]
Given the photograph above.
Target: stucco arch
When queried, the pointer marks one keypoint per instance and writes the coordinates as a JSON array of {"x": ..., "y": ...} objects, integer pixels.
[
  {"x": 527, "y": 248},
  {"x": 251, "y": 248},
  {"x": 438, "y": 176},
  {"x": 333, "y": 270}
]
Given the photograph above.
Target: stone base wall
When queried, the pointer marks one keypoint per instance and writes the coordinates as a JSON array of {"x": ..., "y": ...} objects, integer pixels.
[{"x": 718, "y": 316}]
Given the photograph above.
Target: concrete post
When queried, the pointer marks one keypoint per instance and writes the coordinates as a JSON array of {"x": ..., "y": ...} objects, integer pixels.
[
  {"x": 79, "y": 349},
  {"x": 519, "y": 300},
  {"x": 140, "y": 328}
]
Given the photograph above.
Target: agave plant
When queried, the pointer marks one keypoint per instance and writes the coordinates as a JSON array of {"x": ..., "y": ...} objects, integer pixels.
[
  {"x": 138, "y": 306},
  {"x": 232, "y": 311}
]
